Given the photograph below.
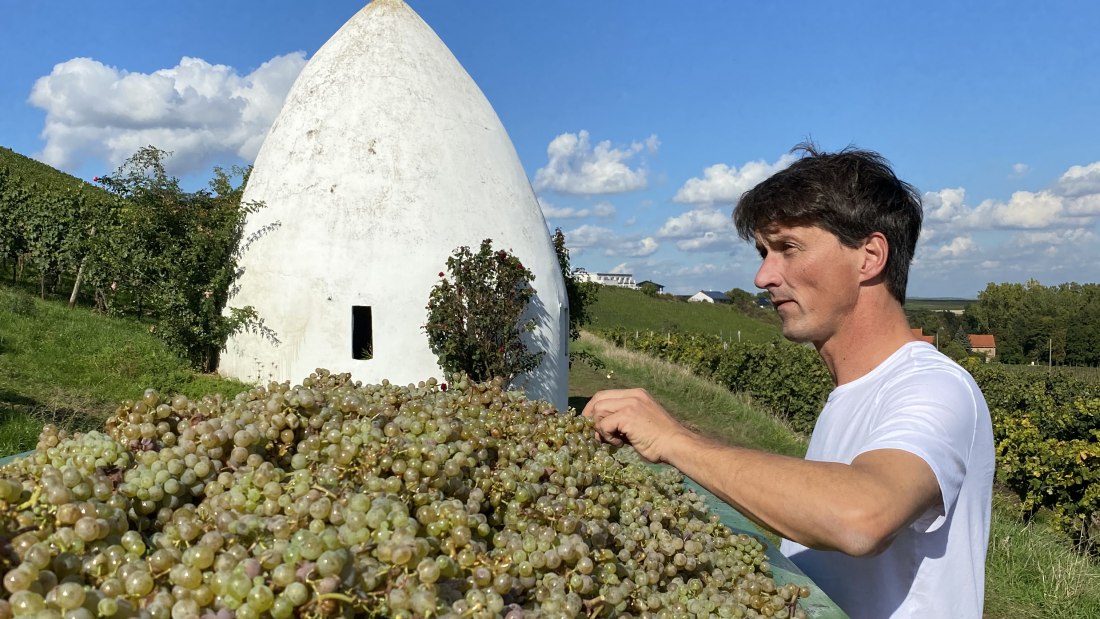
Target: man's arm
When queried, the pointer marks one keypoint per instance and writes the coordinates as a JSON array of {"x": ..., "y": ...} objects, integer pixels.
[{"x": 856, "y": 509}]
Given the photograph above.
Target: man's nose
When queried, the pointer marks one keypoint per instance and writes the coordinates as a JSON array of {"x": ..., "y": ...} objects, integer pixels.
[{"x": 767, "y": 276}]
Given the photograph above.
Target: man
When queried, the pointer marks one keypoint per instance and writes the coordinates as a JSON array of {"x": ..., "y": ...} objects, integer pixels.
[{"x": 889, "y": 511}]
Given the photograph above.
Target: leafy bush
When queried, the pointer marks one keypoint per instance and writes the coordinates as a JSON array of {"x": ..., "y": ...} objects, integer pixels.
[
  {"x": 1046, "y": 427},
  {"x": 787, "y": 379},
  {"x": 475, "y": 315},
  {"x": 180, "y": 255}
]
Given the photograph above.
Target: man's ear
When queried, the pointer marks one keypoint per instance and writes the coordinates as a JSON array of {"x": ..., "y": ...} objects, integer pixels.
[{"x": 876, "y": 251}]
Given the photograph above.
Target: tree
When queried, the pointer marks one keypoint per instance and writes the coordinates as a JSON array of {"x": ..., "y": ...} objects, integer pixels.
[
  {"x": 649, "y": 289},
  {"x": 742, "y": 300},
  {"x": 580, "y": 294},
  {"x": 955, "y": 350},
  {"x": 175, "y": 252},
  {"x": 475, "y": 315},
  {"x": 962, "y": 338},
  {"x": 1036, "y": 323},
  {"x": 14, "y": 213}
]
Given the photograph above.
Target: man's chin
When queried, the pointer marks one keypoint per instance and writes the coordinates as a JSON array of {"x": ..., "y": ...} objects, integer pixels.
[{"x": 795, "y": 335}]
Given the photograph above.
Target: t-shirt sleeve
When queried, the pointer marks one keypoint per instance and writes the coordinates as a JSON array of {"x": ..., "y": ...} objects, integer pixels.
[{"x": 932, "y": 414}]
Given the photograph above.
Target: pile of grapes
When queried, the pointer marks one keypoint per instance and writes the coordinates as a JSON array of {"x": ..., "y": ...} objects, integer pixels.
[{"x": 336, "y": 499}]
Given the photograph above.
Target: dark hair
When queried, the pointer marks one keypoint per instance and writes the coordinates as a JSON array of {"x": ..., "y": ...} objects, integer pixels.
[{"x": 852, "y": 194}]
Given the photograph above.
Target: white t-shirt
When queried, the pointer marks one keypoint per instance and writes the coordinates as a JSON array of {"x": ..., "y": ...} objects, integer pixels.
[{"x": 919, "y": 401}]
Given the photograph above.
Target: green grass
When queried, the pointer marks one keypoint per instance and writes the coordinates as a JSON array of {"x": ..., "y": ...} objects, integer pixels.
[
  {"x": 72, "y": 367},
  {"x": 1031, "y": 571},
  {"x": 634, "y": 311},
  {"x": 937, "y": 305},
  {"x": 698, "y": 403}
]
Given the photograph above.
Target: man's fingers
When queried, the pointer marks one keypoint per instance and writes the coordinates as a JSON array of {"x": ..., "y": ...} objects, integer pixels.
[{"x": 610, "y": 400}]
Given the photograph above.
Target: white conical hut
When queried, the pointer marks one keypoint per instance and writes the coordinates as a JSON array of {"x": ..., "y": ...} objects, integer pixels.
[{"x": 384, "y": 159}]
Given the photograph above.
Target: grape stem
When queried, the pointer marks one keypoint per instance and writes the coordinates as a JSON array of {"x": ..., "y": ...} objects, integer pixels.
[
  {"x": 594, "y": 605},
  {"x": 326, "y": 491},
  {"x": 336, "y": 596},
  {"x": 30, "y": 502}
]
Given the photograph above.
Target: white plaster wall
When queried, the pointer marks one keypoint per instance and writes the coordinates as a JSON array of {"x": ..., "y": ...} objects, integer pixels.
[{"x": 385, "y": 157}]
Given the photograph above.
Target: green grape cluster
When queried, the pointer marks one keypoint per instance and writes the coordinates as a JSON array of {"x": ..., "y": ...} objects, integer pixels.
[{"x": 336, "y": 499}]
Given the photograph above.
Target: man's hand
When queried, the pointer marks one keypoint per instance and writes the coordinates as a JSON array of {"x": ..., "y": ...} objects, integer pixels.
[{"x": 633, "y": 417}]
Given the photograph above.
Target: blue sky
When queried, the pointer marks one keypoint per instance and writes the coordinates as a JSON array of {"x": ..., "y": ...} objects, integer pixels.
[{"x": 639, "y": 123}]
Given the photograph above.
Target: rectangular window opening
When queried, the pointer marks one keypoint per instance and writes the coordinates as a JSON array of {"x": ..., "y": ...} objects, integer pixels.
[{"x": 362, "y": 333}]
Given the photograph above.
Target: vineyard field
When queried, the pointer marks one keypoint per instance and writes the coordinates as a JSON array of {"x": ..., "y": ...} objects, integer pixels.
[{"x": 632, "y": 310}]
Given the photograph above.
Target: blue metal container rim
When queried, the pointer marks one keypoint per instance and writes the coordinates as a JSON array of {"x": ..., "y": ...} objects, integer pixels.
[{"x": 14, "y": 457}]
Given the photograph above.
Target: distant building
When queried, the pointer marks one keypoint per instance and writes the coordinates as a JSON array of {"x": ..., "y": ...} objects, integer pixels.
[
  {"x": 623, "y": 280},
  {"x": 709, "y": 296},
  {"x": 660, "y": 288},
  {"x": 919, "y": 334},
  {"x": 985, "y": 345}
]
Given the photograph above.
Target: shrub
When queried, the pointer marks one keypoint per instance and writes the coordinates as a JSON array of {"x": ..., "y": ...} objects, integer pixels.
[{"x": 475, "y": 315}]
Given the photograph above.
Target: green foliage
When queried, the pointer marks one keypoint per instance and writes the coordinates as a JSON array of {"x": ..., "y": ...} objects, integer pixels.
[
  {"x": 1036, "y": 323},
  {"x": 942, "y": 323},
  {"x": 45, "y": 217},
  {"x": 31, "y": 172},
  {"x": 179, "y": 258},
  {"x": 649, "y": 289},
  {"x": 475, "y": 315},
  {"x": 788, "y": 379},
  {"x": 742, "y": 299},
  {"x": 581, "y": 295},
  {"x": 144, "y": 246},
  {"x": 1046, "y": 426},
  {"x": 955, "y": 351}
]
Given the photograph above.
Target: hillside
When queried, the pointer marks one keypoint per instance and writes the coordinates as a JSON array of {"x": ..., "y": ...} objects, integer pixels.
[
  {"x": 937, "y": 304},
  {"x": 634, "y": 311},
  {"x": 72, "y": 367},
  {"x": 31, "y": 172}
]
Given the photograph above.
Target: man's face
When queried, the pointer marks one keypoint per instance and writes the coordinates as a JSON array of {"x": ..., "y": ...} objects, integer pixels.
[{"x": 813, "y": 280}]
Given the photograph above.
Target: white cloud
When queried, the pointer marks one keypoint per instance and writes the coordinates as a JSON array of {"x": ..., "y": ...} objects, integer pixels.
[
  {"x": 704, "y": 229},
  {"x": 723, "y": 183},
  {"x": 575, "y": 167},
  {"x": 600, "y": 209},
  {"x": 196, "y": 110},
  {"x": 1025, "y": 209},
  {"x": 1050, "y": 239},
  {"x": 694, "y": 223},
  {"x": 603, "y": 209},
  {"x": 957, "y": 248},
  {"x": 1071, "y": 202},
  {"x": 944, "y": 205},
  {"x": 640, "y": 248},
  {"x": 620, "y": 268},
  {"x": 1019, "y": 169},
  {"x": 589, "y": 237},
  {"x": 1079, "y": 181}
]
